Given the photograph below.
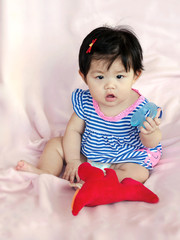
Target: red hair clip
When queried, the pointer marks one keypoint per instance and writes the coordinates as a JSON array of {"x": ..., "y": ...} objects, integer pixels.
[{"x": 90, "y": 46}]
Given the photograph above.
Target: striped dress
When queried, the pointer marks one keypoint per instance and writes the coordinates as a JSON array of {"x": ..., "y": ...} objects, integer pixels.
[{"x": 112, "y": 139}]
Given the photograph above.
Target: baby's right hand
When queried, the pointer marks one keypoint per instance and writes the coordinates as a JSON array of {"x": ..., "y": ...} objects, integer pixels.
[{"x": 71, "y": 171}]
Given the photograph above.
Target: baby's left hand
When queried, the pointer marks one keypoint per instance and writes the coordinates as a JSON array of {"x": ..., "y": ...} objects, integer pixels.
[{"x": 151, "y": 125}]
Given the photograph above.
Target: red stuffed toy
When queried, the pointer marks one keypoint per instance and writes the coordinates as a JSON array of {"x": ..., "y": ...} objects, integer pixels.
[{"x": 101, "y": 189}]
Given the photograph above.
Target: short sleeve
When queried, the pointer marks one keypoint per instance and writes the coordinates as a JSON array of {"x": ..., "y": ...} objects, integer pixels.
[{"x": 77, "y": 101}]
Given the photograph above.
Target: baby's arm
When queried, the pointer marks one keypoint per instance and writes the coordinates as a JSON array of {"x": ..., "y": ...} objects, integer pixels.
[
  {"x": 72, "y": 146},
  {"x": 151, "y": 134}
]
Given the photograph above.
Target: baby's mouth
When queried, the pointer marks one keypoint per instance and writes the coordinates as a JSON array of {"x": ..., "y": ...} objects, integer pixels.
[{"x": 110, "y": 97}]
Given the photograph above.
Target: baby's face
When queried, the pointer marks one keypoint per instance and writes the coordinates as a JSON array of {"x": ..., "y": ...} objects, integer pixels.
[{"x": 110, "y": 87}]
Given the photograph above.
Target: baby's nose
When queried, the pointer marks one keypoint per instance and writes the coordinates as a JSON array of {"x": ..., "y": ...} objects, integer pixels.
[{"x": 110, "y": 85}]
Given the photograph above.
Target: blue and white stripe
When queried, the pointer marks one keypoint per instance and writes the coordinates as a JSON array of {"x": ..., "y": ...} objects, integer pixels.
[{"x": 108, "y": 141}]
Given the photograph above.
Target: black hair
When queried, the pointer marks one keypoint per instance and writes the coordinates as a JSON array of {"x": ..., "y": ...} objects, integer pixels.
[{"x": 111, "y": 43}]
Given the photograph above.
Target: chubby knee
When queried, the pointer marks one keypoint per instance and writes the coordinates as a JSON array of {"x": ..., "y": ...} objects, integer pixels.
[
  {"x": 142, "y": 176},
  {"x": 55, "y": 141},
  {"x": 56, "y": 144},
  {"x": 132, "y": 170}
]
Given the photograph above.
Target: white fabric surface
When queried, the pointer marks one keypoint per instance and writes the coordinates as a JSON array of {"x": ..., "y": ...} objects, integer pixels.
[{"x": 39, "y": 47}]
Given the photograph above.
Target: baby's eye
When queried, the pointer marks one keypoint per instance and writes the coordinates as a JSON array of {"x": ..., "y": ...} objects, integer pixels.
[
  {"x": 100, "y": 77},
  {"x": 119, "y": 76}
]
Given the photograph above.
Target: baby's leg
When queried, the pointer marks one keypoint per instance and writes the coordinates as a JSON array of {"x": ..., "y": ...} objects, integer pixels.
[
  {"x": 51, "y": 160},
  {"x": 131, "y": 170}
]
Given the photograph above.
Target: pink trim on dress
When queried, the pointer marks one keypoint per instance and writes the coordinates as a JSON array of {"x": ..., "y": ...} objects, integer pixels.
[
  {"x": 153, "y": 157},
  {"x": 123, "y": 113}
]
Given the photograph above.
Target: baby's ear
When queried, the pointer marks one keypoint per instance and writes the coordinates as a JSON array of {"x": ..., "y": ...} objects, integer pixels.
[
  {"x": 138, "y": 74},
  {"x": 82, "y": 76}
]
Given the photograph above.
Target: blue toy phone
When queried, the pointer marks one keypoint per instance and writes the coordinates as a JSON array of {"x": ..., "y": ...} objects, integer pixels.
[{"x": 148, "y": 110}]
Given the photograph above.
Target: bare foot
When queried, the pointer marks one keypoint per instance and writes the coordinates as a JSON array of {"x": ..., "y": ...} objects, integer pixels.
[{"x": 28, "y": 167}]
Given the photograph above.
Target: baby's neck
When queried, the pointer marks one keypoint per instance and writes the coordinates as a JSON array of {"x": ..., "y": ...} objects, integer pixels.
[
  {"x": 116, "y": 110},
  {"x": 111, "y": 111}
]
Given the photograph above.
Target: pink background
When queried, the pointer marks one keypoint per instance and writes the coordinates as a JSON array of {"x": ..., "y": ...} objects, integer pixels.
[{"x": 39, "y": 44}]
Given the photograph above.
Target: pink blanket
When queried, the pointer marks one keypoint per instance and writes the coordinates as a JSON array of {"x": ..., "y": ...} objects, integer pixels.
[{"x": 39, "y": 47}]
